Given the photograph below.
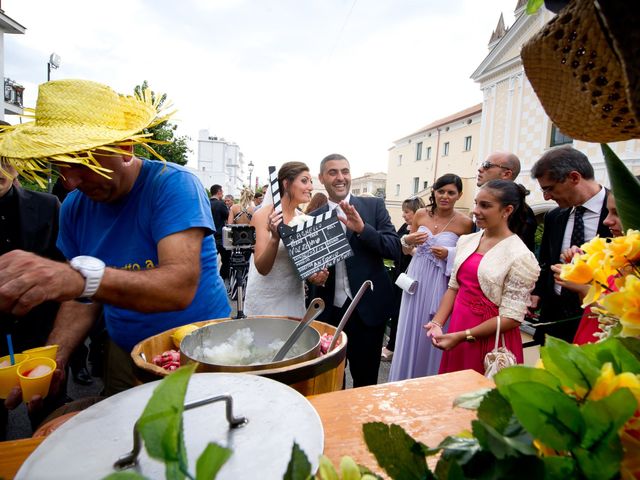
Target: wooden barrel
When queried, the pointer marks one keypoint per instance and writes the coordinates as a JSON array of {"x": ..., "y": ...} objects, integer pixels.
[{"x": 312, "y": 377}]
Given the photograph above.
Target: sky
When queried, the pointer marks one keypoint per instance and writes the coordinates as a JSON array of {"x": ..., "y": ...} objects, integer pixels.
[{"x": 284, "y": 79}]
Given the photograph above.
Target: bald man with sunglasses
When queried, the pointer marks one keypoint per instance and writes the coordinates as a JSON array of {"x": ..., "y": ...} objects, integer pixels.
[{"x": 506, "y": 166}]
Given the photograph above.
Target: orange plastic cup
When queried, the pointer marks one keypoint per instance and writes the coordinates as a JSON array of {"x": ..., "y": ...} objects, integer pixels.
[
  {"x": 9, "y": 374},
  {"x": 48, "y": 351},
  {"x": 32, "y": 386}
]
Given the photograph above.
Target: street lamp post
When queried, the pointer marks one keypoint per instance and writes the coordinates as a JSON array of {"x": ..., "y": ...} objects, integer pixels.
[
  {"x": 54, "y": 62},
  {"x": 250, "y": 172}
]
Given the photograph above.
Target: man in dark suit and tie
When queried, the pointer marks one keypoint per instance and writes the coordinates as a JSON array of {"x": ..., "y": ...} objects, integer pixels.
[
  {"x": 373, "y": 238},
  {"x": 566, "y": 177}
]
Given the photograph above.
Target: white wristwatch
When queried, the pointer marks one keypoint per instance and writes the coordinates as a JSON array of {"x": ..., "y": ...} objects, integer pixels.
[{"x": 92, "y": 269}]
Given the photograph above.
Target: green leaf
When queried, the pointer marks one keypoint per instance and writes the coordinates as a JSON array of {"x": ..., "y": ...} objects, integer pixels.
[
  {"x": 471, "y": 400},
  {"x": 326, "y": 470},
  {"x": 299, "y": 467},
  {"x": 125, "y": 475},
  {"x": 458, "y": 448},
  {"x": 396, "y": 452},
  {"x": 559, "y": 468},
  {"x": 622, "y": 353},
  {"x": 605, "y": 417},
  {"x": 520, "y": 373},
  {"x": 569, "y": 363},
  {"x": 349, "y": 469},
  {"x": 211, "y": 461},
  {"x": 533, "y": 6},
  {"x": 601, "y": 463},
  {"x": 502, "y": 446},
  {"x": 161, "y": 422},
  {"x": 495, "y": 411},
  {"x": 626, "y": 189},
  {"x": 548, "y": 415}
]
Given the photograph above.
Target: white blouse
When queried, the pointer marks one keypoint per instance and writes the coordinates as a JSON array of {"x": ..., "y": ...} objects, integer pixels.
[{"x": 507, "y": 272}]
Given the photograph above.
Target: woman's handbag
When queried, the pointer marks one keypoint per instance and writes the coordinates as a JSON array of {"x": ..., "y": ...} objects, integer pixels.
[
  {"x": 406, "y": 283},
  {"x": 499, "y": 357}
]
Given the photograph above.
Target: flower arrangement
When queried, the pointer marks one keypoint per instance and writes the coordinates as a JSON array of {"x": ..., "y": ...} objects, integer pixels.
[{"x": 611, "y": 267}]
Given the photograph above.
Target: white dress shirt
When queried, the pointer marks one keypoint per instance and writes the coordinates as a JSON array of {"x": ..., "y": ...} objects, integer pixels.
[{"x": 343, "y": 290}]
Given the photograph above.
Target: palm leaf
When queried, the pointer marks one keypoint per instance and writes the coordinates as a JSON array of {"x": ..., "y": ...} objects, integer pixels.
[{"x": 626, "y": 189}]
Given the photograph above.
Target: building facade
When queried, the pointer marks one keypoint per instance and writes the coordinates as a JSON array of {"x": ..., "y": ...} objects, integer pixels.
[
  {"x": 221, "y": 162},
  {"x": 513, "y": 118},
  {"x": 510, "y": 118},
  {"x": 447, "y": 145},
  {"x": 12, "y": 90},
  {"x": 370, "y": 184}
]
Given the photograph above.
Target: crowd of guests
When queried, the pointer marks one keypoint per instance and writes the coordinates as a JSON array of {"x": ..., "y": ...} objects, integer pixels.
[{"x": 137, "y": 241}]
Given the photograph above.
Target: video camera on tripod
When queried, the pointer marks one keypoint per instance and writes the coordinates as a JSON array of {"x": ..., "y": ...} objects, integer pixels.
[
  {"x": 240, "y": 239},
  {"x": 238, "y": 236}
]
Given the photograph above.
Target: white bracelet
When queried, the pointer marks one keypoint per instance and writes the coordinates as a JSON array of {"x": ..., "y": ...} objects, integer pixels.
[{"x": 403, "y": 242}]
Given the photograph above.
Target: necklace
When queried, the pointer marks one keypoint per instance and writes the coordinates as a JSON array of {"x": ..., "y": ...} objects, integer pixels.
[{"x": 435, "y": 219}]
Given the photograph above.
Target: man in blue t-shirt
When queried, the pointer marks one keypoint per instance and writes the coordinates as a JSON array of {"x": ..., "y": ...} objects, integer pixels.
[{"x": 138, "y": 233}]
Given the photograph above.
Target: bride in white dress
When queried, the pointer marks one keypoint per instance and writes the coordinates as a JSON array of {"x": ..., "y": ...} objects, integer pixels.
[{"x": 273, "y": 286}]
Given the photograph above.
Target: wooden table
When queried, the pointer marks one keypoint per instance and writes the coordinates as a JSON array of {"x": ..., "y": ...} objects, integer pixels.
[{"x": 423, "y": 407}]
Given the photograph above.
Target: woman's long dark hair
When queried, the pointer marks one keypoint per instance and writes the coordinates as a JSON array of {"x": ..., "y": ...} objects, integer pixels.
[
  {"x": 511, "y": 193},
  {"x": 446, "y": 179}
]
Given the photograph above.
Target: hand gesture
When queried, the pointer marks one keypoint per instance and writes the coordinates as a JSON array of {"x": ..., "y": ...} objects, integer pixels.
[
  {"x": 432, "y": 329},
  {"x": 27, "y": 280},
  {"x": 352, "y": 218},
  {"x": 567, "y": 255},
  {"x": 319, "y": 278},
  {"x": 416, "y": 238},
  {"x": 446, "y": 341},
  {"x": 275, "y": 219},
  {"x": 440, "y": 253}
]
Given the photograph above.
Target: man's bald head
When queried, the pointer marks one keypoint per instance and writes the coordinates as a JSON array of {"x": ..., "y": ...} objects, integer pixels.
[{"x": 499, "y": 166}]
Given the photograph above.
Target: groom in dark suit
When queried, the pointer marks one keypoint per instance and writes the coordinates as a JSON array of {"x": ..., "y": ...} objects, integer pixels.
[
  {"x": 373, "y": 238},
  {"x": 566, "y": 177}
]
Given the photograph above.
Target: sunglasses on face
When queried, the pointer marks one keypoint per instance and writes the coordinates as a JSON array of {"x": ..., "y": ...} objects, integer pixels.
[{"x": 486, "y": 165}]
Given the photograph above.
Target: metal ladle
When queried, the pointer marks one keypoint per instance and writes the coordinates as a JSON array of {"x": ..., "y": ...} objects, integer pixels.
[
  {"x": 347, "y": 314},
  {"x": 316, "y": 307}
]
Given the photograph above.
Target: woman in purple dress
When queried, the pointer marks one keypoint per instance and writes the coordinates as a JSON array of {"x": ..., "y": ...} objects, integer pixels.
[{"x": 435, "y": 231}]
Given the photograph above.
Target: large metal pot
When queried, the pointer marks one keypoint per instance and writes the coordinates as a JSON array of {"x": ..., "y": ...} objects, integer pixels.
[{"x": 265, "y": 330}]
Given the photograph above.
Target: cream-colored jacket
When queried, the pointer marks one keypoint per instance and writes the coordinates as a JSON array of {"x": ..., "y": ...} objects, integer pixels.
[{"x": 507, "y": 272}]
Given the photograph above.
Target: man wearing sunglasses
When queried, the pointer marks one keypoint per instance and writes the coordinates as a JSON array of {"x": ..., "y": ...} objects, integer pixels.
[
  {"x": 565, "y": 176},
  {"x": 506, "y": 166}
]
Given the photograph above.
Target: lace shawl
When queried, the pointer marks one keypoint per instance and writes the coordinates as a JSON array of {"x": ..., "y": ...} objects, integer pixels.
[{"x": 507, "y": 273}]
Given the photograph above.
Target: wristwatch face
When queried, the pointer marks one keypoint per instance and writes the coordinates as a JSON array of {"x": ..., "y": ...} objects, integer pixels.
[{"x": 88, "y": 263}]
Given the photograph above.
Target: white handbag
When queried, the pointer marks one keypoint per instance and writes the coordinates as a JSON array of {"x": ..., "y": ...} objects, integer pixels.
[
  {"x": 499, "y": 357},
  {"x": 406, "y": 283}
]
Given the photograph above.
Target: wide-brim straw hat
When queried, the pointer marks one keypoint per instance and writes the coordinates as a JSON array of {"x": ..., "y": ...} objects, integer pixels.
[
  {"x": 73, "y": 119},
  {"x": 584, "y": 65}
]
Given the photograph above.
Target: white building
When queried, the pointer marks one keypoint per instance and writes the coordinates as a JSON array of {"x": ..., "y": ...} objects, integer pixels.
[
  {"x": 12, "y": 90},
  {"x": 221, "y": 162}
]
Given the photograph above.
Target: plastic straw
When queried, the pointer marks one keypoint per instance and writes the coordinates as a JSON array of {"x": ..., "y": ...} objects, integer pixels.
[{"x": 10, "y": 345}]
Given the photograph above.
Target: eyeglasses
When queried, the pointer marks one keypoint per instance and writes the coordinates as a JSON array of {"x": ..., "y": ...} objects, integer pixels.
[{"x": 486, "y": 165}]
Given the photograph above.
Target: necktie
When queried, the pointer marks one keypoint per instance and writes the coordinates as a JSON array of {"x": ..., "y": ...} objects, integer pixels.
[{"x": 577, "y": 235}]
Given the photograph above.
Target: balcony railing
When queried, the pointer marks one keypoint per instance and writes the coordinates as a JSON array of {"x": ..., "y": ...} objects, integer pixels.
[{"x": 13, "y": 92}]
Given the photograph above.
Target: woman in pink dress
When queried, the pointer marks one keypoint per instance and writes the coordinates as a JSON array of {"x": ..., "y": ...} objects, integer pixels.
[{"x": 493, "y": 275}]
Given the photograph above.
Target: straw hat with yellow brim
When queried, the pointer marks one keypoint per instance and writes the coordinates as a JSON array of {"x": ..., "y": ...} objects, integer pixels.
[
  {"x": 584, "y": 65},
  {"x": 75, "y": 118}
]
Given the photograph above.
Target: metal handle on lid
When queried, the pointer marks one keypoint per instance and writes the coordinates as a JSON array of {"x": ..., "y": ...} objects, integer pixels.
[{"x": 131, "y": 459}]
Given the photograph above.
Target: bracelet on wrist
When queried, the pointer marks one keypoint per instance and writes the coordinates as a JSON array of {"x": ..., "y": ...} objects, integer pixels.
[
  {"x": 403, "y": 242},
  {"x": 436, "y": 323}
]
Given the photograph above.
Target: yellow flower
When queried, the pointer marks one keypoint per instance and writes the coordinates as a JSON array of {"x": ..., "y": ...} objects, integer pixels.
[
  {"x": 625, "y": 304},
  {"x": 578, "y": 271},
  {"x": 623, "y": 250},
  {"x": 543, "y": 450},
  {"x": 608, "y": 382}
]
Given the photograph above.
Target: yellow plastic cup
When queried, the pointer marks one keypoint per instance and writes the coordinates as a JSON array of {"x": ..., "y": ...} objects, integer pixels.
[
  {"x": 48, "y": 351},
  {"x": 9, "y": 374},
  {"x": 32, "y": 386}
]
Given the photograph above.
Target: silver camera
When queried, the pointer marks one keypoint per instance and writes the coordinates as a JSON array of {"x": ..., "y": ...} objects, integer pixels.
[{"x": 238, "y": 236}]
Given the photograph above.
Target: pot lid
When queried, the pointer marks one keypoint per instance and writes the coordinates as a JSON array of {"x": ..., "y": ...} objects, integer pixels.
[{"x": 88, "y": 444}]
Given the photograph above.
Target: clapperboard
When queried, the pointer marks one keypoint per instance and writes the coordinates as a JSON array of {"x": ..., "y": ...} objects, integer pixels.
[{"x": 315, "y": 244}]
